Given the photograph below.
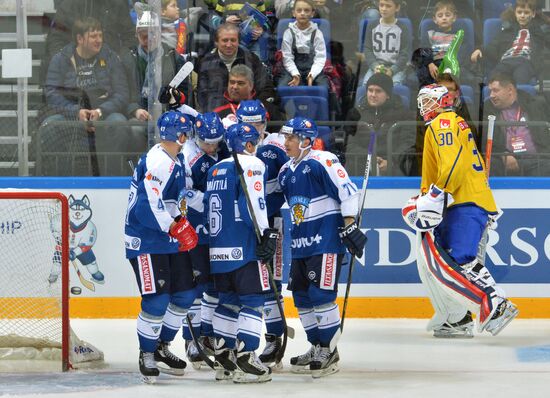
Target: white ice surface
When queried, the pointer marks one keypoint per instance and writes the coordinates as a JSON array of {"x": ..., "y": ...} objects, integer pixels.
[{"x": 379, "y": 358}]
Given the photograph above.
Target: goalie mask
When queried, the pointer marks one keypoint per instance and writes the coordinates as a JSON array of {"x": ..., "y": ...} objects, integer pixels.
[{"x": 432, "y": 98}]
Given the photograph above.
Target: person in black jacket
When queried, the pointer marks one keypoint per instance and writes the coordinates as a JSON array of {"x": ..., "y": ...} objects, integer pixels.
[
  {"x": 518, "y": 150},
  {"x": 518, "y": 48},
  {"x": 379, "y": 110},
  {"x": 213, "y": 70}
]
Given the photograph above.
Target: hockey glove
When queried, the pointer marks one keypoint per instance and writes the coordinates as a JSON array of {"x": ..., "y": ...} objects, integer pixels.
[
  {"x": 171, "y": 96},
  {"x": 185, "y": 234},
  {"x": 353, "y": 238},
  {"x": 266, "y": 248}
]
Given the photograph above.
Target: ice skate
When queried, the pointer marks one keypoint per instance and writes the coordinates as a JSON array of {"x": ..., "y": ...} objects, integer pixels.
[
  {"x": 167, "y": 362},
  {"x": 504, "y": 314},
  {"x": 225, "y": 362},
  {"x": 207, "y": 344},
  {"x": 462, "y": 329},
  {"x": 271, "y": 351},
  {"x": 98, "y": 277},
  {"x": 193, "y": 355},
  {"x": 324, "y": 363},
  {"x": 52, "y": 278},
  {"x": 148, "y": 367},
  {"x": 300, "y": 364},
  {"x": 250, "y": 369}
]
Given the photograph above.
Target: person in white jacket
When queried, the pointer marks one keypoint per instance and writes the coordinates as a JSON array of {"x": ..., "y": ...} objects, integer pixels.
[{"x": 303, "y": 48}]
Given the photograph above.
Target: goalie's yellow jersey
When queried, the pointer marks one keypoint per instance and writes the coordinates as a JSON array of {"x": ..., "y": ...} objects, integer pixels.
[{"x": 452, "y": 161}]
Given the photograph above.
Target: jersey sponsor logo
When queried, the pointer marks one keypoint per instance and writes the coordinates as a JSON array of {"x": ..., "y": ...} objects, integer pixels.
[
  {"x": 463, "y": 125},
  {"x": 132, "y": 242},
  {"x": 146, "y": 272},
  {"x": 195, "y": 158},
  {"x": 269, "y": 154},
  {"x": 204, "y": 167},
  {"x": 328, "y": 271},
  {"x": 330, "y": 162},
  {"x": 258, "y": 186},
  {"x": 341, "y": 173},
  {"x": 444, "y": 123},
  {"x": 306, "y": 242},
  {"x": 156, "y": 191},
  {"x": 306, "y": 169},
  {"x": 152, "y": 177},
  {"x": 216, "y": 185},
  {"x": 298, "y": 206},
  {"x": 264, "y": 276},
  {"x": 226, "y": 253},
  {"x": 251, "y": 173},
  {"x": 293, "y": 179},
  {"x": 219, "y": 172},
  {"x": 311, "y": 275}
]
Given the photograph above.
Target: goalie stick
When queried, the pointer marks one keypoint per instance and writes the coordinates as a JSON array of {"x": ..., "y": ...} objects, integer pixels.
[
  {"x": 288, "y": 331},
  {"x": 359, "y": 217}
]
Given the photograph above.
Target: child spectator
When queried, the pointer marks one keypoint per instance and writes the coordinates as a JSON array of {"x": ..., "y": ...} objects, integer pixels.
[
  {"x": 173, "y": 29},
  {"x": 435, "y": 44},
  {"x": 517, "y": 49},
  {"x": 387, "y": 45},
  {"x": 303, "y": 49}
]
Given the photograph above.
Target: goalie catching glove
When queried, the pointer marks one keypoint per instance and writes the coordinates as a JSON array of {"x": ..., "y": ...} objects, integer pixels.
[
  {"x": 353, "y": 239},
  {"x": 266, "y": 248},
  {"x": 424, "y": 213},
  {"x": 185, "y": 234},
  {"x": 171, "y": 96}
]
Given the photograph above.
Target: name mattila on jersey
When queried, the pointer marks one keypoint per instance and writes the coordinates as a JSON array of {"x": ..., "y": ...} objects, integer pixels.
[{"x": 217, "y": 185}]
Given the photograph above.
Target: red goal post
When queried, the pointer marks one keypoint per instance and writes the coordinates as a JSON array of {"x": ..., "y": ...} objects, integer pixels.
[{"x": 34, "y": 239}]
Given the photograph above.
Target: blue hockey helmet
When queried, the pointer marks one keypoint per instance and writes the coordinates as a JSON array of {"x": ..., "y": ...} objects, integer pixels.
[
  {"x": 209, "y": 127},
  {"x": 300, "y": 126},
  {"x": 239, "y": 134},
  {"x": 173, "y": 124},
  {"x": 251, "y": 111}
]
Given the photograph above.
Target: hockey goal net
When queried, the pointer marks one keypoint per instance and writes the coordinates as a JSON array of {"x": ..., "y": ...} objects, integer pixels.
[{"x": 34, "y": 286}]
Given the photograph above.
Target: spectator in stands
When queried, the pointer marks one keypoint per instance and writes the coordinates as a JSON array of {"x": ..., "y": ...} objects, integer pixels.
[
  {"x": 173, "y": 28},
  {"x": 284, "y": 9},
  {"x": 518, "y": 47},
  {"x": 137, "y": 65},
  {"x": 85, "y": 82},
  {"x": 240, "y": 87},
  {"x": 251, "y": 24},
  {"x": 518, "y": 150},
  {"x": 213, "y": 70},
  {"x": 435, "y": 44},
  {"x": 387, "y": 45},
  {"x": 114, "y": 16},
  {"x": 379, "y": 110},
  {"x": 303, "y": 49}
]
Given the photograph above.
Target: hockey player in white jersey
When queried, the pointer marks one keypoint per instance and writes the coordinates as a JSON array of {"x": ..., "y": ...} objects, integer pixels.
[
  {"x": 206, "y": 149},
  {"x": 271, "y": 151},
  {"x": 237, "y": 261},
  {"x": 157, "y": 236},
  {"x": 323, "y": 205}
]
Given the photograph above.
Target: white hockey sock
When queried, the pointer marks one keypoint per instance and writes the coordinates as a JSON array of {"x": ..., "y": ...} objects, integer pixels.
[
  {"x": 208, "y": 306},
  {"x": 173, "y": 318},
  {"x": 328, "y": 322},
  {"x": 195, "y": 315},
  {"x": 148, "y": 330}
]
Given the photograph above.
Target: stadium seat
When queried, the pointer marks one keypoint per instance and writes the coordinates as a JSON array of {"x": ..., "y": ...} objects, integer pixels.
[
  {"x": 468, "y": 43},
  {"x": 467, "y": 94},
  {"x": 493, "y": 8},
  {"x": 491, "y": 27},
  {"x": 363, "y": 30},
  {"x": 403, "y": 91},
  {"x": 315, "y": 108},
  {"x": 294, "y": 91},
  {"x": 323, "y": 24}
]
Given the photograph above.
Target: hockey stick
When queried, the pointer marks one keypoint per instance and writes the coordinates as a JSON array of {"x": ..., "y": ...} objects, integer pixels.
[
  {"x": 201, "y": 352},
  {"x": 482, "y": 249},
  {"x": 85, "y": 282},
  {"x": 372, "y": 142},
  {"x": 288, "y": 331},
  {"x": 182, "y": 74}
]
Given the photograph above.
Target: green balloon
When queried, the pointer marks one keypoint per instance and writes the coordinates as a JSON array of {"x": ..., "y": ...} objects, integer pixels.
[{"x": 450, "y": 64}]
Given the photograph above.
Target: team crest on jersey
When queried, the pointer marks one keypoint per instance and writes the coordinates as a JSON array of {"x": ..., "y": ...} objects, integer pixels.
[
  {"x": 444, "y": 123},
  {"x": 298, "y": 206},
  {"x": 182, "y": 202}
]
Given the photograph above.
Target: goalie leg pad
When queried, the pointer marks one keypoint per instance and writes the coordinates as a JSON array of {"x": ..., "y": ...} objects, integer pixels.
[{"x": 475, "y": 296}]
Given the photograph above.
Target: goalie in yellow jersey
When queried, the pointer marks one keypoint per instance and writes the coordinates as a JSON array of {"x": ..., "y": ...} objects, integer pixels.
[{"x": 450, "y": 215}]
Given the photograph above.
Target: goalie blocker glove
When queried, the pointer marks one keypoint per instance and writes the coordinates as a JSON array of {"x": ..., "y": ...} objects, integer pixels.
[
  {"x": 266, "y": 248},
  {"x": 171, "y": 96},
  {"x": 185, "y": 234},
  {"x": 353, "y": 238}
]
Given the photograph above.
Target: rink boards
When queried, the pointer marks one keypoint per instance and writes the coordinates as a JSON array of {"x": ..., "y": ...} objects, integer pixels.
[{"x": 385, "y": 281}]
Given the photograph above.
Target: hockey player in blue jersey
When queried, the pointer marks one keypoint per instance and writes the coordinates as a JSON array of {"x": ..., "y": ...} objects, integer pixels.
[
  {"x": 323, "y": 205},
  {"x": 157, "y": 237},
  {"x": 201, "y": 153},
  {"x": 271, "y": 151},
  {"x": 237, "y": 261}
]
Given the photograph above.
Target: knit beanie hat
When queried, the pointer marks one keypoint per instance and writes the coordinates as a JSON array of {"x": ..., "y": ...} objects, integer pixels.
[{"x": 383, "y": 81}]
